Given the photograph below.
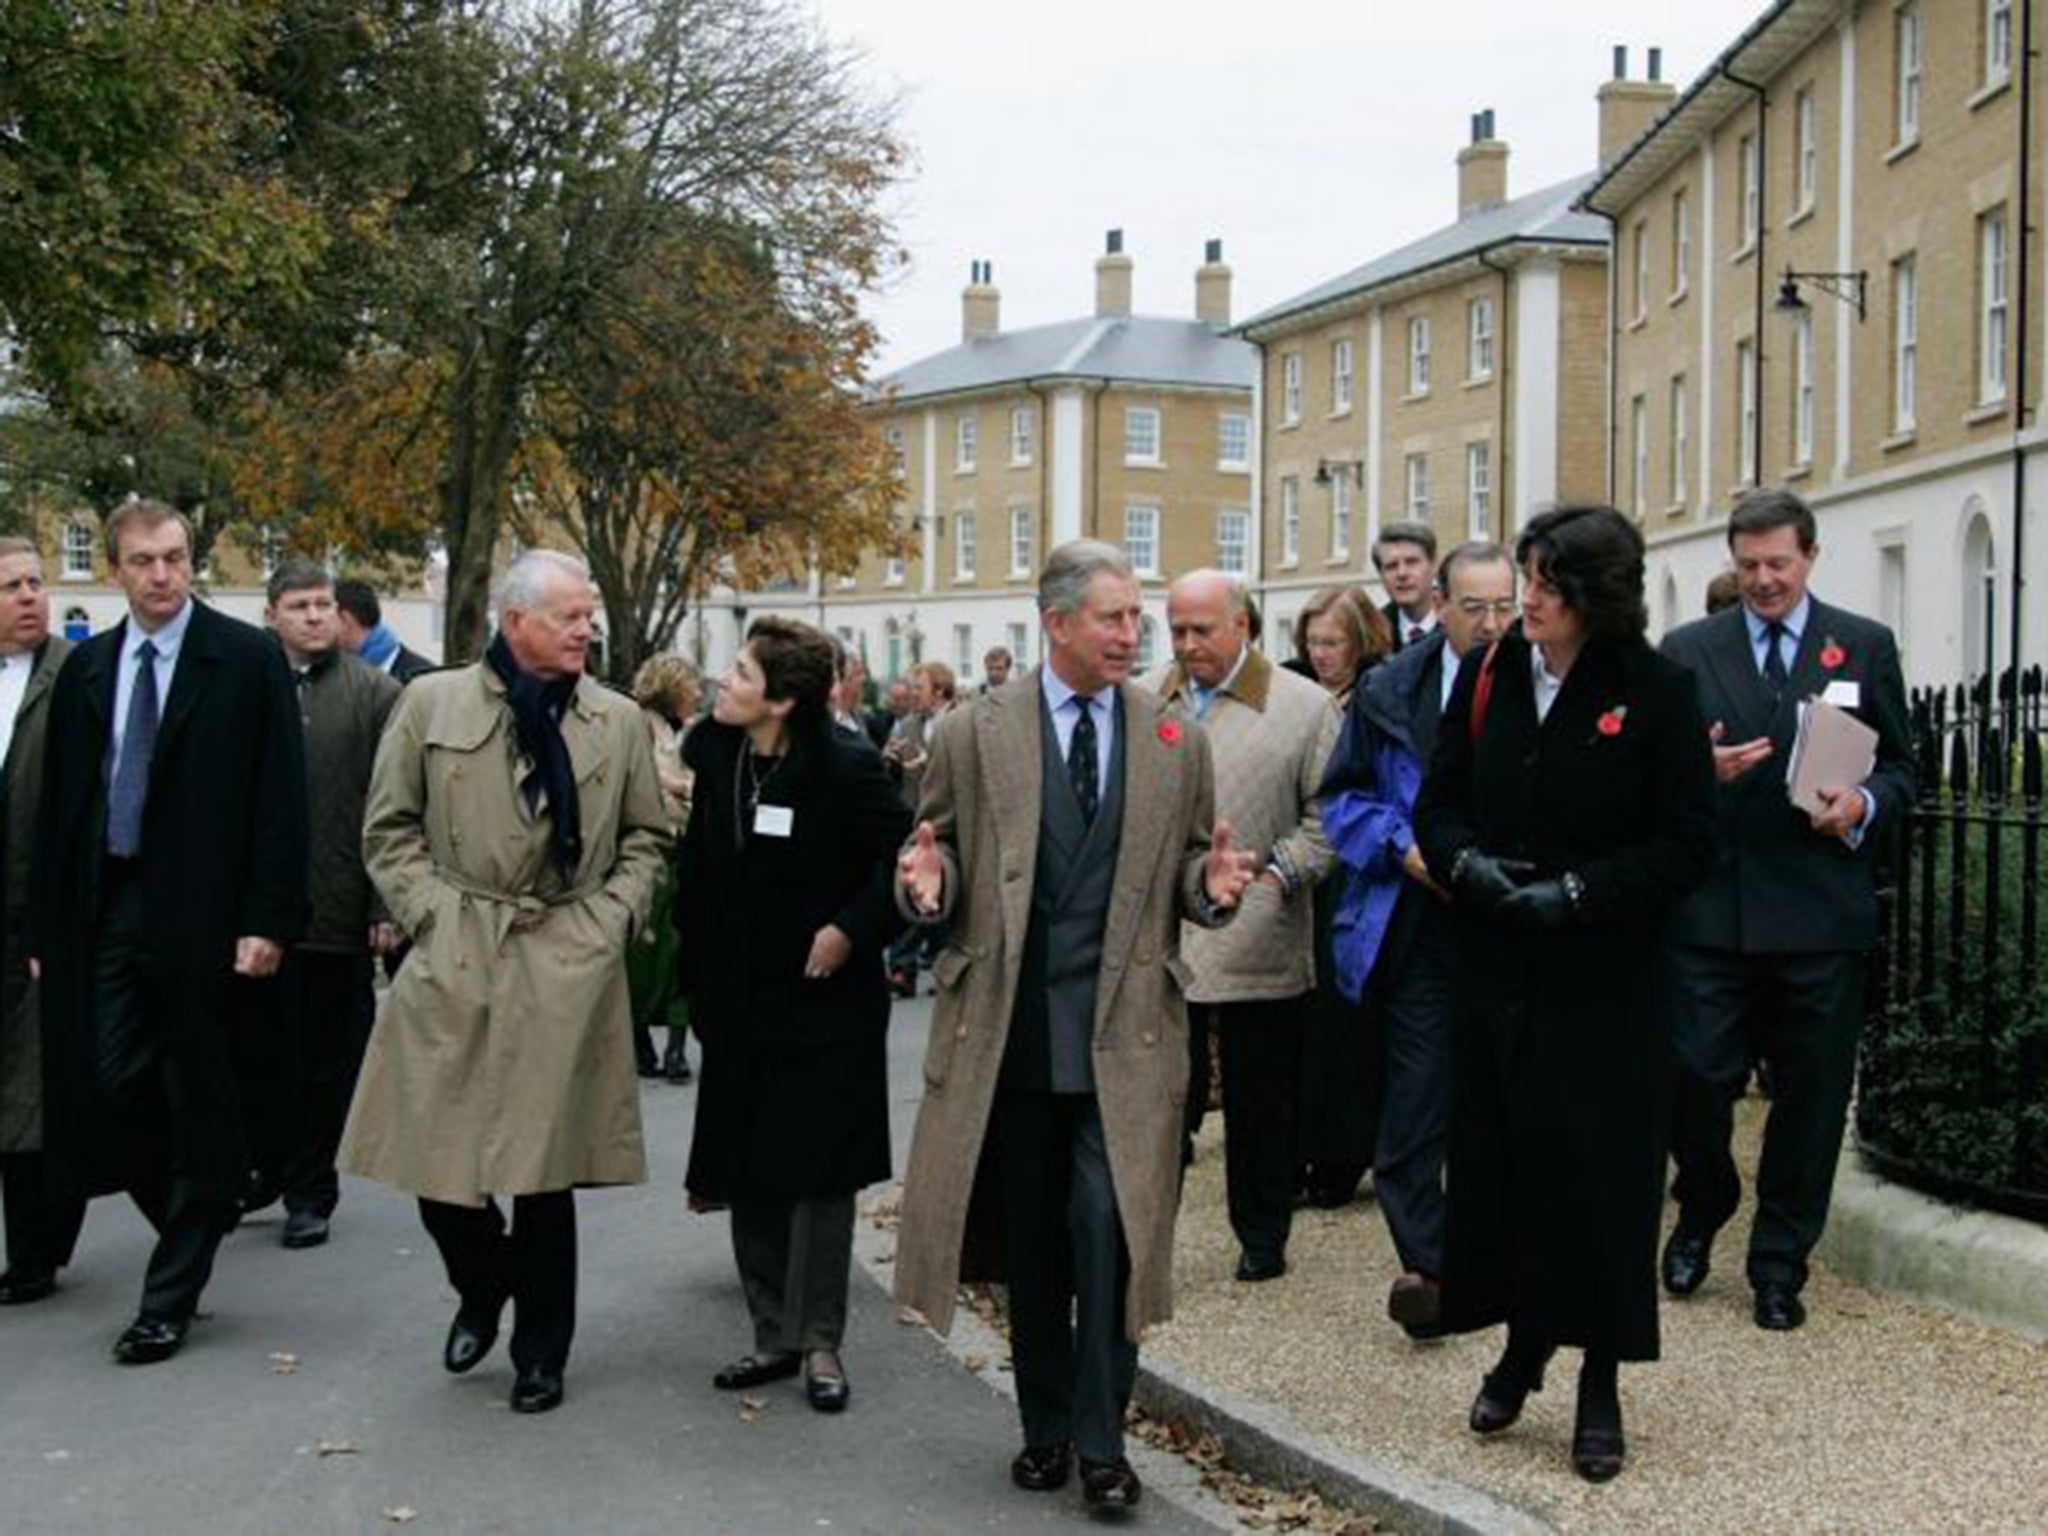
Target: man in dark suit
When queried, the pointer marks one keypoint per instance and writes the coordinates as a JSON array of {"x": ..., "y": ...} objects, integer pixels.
[
  {"x": 171, "y": 858},
  {"x": 360, "y": 618},
  {"x": 1392, "y": 940},
  {"x": 40, "y": 1229},
  {"x": 1769, "y": 955},
  {"x": 1405, "y": 556}
]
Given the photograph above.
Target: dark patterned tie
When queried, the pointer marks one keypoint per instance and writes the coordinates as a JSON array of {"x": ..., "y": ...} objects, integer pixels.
[
  {"x": 1081, "y": 759},
  {"x": 1774, "y": 656},
  {"x": 131, "y": 769}
]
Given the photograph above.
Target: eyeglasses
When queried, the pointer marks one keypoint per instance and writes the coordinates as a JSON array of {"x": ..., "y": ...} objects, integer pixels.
[{"x": 1479, "y": 608}]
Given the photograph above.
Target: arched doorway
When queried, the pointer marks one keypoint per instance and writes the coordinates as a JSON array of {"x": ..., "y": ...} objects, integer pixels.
[{"x": 1980, "y": 590}]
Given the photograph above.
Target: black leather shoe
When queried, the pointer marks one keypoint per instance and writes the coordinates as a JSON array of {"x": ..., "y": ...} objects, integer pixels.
[
  {"x": 1597, "y": 1454},
  {"x": 1687, "y": 1258},
  {"x": 1416, "y": 1303},
  {"x": 536, "y": 1391},
  {"x": 675, "y": 1061},
  {"x": 1779, "y": 1308},
  {"x": 828, "y": 1391},
  {"x": 470, "y": 1338},
  {"x": 1500, "y": 1399},
  {"x": 757, "y": 1370},
  {"x": 1253, "y": 1268},
  {"x": 19, "y": 1287},
  {"x": 304, "y": 1229},
  {"x": 150, "y": 1339},
  {"x": 1042, "y": 1468},
  {"x": 1110, "y": 1484}
]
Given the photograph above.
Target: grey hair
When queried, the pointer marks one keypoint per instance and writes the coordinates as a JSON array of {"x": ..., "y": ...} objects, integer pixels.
[
  {"x": 525, "y": 580},
  {"x": 1071, "y": 567}
]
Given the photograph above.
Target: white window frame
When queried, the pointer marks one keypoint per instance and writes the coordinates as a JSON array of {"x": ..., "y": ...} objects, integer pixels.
[
  {"x": 1021, "y": 542},
  {"x": 1748, "y": 199},
  {"x": 963, "y": 651},
  {"x": 966, "y": 442},
  {"x": 1909, "y": 34},
  {"x": 894, "y": 571},
  {"x": 75, "y": 557},
  {"x": 1340, "y": 514},
  {"x": 1681, "y": 442},
  {"x": 1415, "y": 475},
  {"x": 1234, "y": 541},
  {"x": 1681, "y": 243},
  {"x": 1140, "y": 457},
  {"x": 1639, "y": 269},
  {"x": 1479, "y": 489},
  {"x": 1479, "y": 339},
  {"x": 966, "y": 545},
  {"x": 1997, "y": 41},
  {"x": 1745, "y": 411},
  {"x": 1019, "y": 641},
  {"x": 1905, "y": 343},
  {"x": 1805, "y": 151},
  {"x": 1418, "y": 355},
  {"x": 1639, "y": 455},
  {"x": 1148, "y": 642},
  {"x": 1994, "y": 267},
  {"x": 1022, "y": 438},
  {"x": 1290, "y": 520},
  {"x": 1290, "y": 388},
  {"x": 1142, "y": 548},
  {"x": 1802, "y": 388},
  {"x": 1340, "y": 376},
  {"x": 1231, "y": 424},
  {"x": 893, "y": 438}
]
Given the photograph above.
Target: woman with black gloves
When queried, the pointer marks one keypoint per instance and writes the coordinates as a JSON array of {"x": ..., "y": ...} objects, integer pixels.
[
  {"x": 785, "y": 900},
  {"x": 1569, "y": 807}
]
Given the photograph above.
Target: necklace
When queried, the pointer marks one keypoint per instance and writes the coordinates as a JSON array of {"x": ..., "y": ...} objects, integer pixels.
[{"x": 747, "y": 787}]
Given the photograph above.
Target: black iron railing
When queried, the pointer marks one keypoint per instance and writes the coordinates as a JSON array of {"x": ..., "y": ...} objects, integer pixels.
[{"x": 1952, "y": 1095}]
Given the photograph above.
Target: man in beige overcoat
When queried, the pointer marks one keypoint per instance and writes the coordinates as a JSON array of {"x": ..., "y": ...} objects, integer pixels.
[
  {"x": 1064, "y": 831},
  {"x": 515, "y": 830},
  {"x": 41, "y": 1224}
]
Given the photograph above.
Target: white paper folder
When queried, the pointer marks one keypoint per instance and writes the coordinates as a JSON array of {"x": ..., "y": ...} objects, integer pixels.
[{"x": 1833, "y": 750}]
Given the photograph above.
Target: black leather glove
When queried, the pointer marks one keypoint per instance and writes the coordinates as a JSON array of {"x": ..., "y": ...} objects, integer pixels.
[
  {"x": 1483, "y": 882},
  {"x": 1542, "y": 906}
]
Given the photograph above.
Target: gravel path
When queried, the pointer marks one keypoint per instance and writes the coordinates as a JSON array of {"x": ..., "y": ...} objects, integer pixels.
[{"x": 1877, "y": 1416}]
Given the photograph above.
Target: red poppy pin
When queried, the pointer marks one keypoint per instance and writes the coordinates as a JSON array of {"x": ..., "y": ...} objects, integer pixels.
[
  {"x": 1169, "y": 732},
  {"x": 1609, "y": 724},
  {"x": 1832, "y": 655}
]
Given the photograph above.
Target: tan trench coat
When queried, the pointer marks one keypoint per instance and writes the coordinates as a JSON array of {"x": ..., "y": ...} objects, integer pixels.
[
  {"x": 21, "y": 1046},
  {"x": 503, "y": 1062},
  {"x": 982, "y": 794}
]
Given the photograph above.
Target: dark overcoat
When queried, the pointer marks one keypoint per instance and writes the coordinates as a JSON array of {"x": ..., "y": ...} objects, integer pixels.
[
  {"x": 223, "y": 856},
  {"x": 1560, "y": 1045},
  {"x": 793, "y": 1100},
  {"x": 21, "y": 1052}
]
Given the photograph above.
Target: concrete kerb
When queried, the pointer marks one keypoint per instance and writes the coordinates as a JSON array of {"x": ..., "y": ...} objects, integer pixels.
[{"x": 1895, "y": 1240}]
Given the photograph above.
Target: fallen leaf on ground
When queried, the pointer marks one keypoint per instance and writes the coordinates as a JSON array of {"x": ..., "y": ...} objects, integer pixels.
[
  {"x": 337, "y": 1448},
  {"x": 283, "y": 1364},
  {"x": 401, "y": 1514}
]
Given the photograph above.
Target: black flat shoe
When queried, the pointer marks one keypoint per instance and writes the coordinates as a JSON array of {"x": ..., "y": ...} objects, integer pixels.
[
  {"x": 19, "y": 1287},
  {"x": 1778, "y": 1308},
  {"x": 757, "y": 1370},
  {"x": 1597, "y": 1454},
  {"x": 470, "y": 1338},
  {"x": 1500, "y": 1399},
  {"x": 1110, "y": 1484},
  {"x": 148, "y": 1340},
  {"x": 304, "y": 1229},
  {"x": 1042, "y": 1468},
  {"x": 1687, "y": 1260},
  {"x": 828, "y": 1391},
  {"x": 537, "y": 1391},
  {"x": 1254, "y": 1269}
]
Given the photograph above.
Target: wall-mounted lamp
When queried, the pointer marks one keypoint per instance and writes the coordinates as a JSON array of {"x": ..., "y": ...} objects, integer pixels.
[
  {"x": 1852, "y": 288},
  {"x": 1329, "y": 469}
]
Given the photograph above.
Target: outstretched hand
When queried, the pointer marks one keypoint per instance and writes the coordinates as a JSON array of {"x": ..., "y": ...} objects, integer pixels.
[
  {"x": 1228, "y": 869},
  {"x": 1733, "y": 761},
  {"x": 920, "y": 870}
]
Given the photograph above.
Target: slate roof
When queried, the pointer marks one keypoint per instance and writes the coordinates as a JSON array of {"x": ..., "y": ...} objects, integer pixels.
[
  {"x": 1133, "y": 349},
  {"x": 1544, "y": 217}
]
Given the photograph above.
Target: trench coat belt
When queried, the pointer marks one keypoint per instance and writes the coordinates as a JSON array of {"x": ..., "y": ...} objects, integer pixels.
[{"x": 514, "y": 909}]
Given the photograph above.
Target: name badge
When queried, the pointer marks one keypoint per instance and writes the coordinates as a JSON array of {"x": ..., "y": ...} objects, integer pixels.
[
  {"x": 1843, "y": 694},
  {"x": 774, "y": 821}
]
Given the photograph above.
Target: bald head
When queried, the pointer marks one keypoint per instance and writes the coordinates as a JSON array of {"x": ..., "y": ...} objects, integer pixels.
[{"x": 1210, "y": 619}]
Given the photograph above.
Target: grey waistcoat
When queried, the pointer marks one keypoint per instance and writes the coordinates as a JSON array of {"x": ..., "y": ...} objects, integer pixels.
[{"x": 1053, "y": 1030}]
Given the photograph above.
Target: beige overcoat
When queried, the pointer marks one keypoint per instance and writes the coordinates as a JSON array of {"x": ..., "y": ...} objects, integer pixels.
[
  {"x": 503, "y": 1061},
  {"x": 21, "y": 1045},
  {"x": 982, "y": 794}
]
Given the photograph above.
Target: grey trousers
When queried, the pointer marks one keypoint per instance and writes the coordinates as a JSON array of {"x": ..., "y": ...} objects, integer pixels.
[{"x": 794, "y": 1259}]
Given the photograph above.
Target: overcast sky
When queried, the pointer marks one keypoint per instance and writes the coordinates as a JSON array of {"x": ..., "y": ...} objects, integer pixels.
[{"x": 1309, "y": 135}]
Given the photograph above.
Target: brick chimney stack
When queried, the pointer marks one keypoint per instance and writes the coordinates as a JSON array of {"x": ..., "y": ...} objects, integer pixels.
[
  {"x": 1212, "y": 288},
  {"x": 1113, "y": 279},
  {"x": 981, "y": 306},
  {"x": 1482, "y": 168},
  {"x": 1628, "y": 107}
]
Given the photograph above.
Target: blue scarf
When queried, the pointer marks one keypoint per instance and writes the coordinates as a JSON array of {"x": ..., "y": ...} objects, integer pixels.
[{"x": 379, "y": 645}]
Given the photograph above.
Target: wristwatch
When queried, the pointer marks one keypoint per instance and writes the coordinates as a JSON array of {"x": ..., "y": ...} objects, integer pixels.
[{"x": 1574, "y": 889}]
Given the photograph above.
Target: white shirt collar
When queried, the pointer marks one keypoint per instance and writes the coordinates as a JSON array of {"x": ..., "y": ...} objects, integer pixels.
[
  {"x": 166, "y": 639},
  {"x": 1057, "y": 692},
  {"x": 1794, "y": 623}
]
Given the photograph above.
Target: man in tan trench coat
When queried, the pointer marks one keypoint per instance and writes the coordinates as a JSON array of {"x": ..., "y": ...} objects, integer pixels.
[
  {"x": 1064, "y": 829},
  {"x": 515, "y": 830}
]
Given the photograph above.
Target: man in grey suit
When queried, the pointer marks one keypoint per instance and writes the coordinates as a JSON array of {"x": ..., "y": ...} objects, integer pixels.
[
  {"x": 1064, "y": 830},
  {"x": 1769, "y": 955}
]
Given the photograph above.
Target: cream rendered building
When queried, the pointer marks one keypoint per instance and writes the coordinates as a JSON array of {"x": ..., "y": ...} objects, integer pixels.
[
  {"x": 1458, "y": 380},
  {"x": 1131, "y": 428},
  {"x": 1865, "y": 161}
]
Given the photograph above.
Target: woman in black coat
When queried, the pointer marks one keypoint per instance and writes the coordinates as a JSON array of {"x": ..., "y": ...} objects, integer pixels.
[
  {"x": 1569, "y": 807},
  {"x": 785, "y": 902}
]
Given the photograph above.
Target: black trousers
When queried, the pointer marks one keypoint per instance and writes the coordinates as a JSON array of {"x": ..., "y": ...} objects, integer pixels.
[
  {"x": 1261, "y": 1084},
  {"x": 322, "y": 1009},
  {"x": 1066, "y": 1266},
  {"x": 531, "y": 1263},
  {"x": 1342, "y": 1079},
  {"x": 795, "y": 1258},
  {"x": 152, "y": 1110},
  {"x": 1800, "y": 1015},
  {"x": 1411, "y": 1001},
  {"x": 42, "y": 1228}
]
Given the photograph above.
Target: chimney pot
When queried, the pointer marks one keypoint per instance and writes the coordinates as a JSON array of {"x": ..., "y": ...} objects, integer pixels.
[
  {"x": 1621, "y": 61},
  {"x": 1656, "y": 66},
  {"x": 1114, "y": 244},
  {"x": 1629, "y": 107}
]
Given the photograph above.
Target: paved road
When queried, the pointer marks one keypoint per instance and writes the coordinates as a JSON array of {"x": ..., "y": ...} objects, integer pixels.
[{"x": 227, "y": 1438}]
